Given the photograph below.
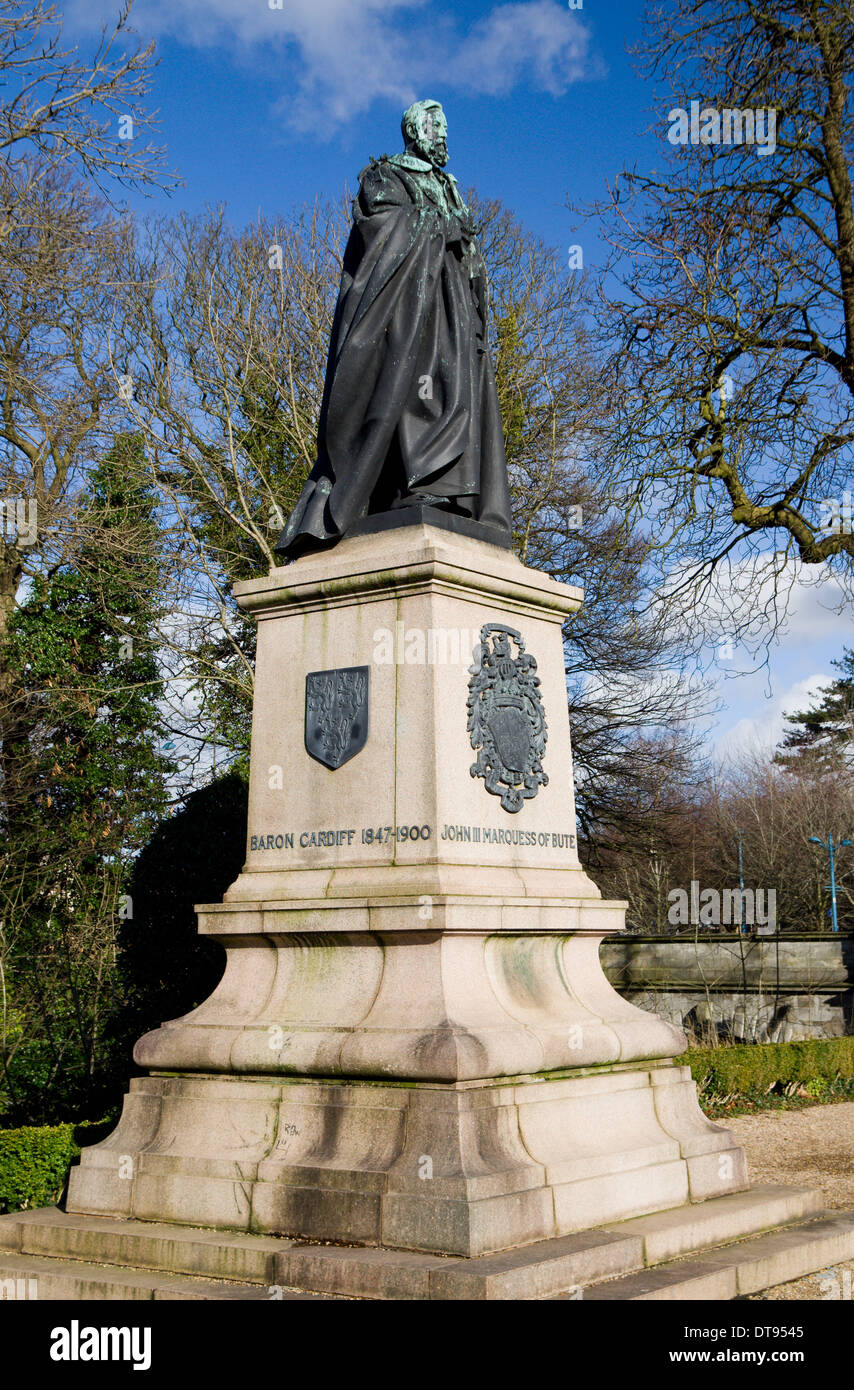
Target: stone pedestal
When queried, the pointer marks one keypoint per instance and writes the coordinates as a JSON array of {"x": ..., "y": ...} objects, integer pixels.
[
  {"x": 413, "y": 1044},
  {"x": 463, "y": 1169}
]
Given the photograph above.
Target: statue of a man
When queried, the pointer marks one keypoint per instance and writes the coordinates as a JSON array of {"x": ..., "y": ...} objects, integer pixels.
[{"x": 410, "y": 413}]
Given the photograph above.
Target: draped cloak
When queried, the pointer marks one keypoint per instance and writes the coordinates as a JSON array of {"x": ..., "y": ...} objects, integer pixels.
[{"x": 409, "y": 409}]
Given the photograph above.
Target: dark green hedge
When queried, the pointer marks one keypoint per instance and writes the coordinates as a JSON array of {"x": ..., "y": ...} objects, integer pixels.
[
  {"x": 34, "y": 1162},
  {"x": 759, "y": 1066}
]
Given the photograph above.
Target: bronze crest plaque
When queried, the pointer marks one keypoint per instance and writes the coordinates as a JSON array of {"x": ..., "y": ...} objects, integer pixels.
[
  {"x": 336, "y": 714},
  {"x": 506, "y": 719}
]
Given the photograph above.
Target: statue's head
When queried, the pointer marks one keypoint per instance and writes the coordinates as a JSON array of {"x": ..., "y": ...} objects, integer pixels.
[{"x": 425, "y": 130}]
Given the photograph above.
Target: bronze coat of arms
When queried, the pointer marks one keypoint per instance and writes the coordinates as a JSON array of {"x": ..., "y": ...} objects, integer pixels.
[
  {"x": 336, "y": 714},
  {"x": 506, "y": 719}
]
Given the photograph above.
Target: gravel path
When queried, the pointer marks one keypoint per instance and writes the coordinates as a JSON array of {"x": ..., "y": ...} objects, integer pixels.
[{"x": 804, "y": 1148}]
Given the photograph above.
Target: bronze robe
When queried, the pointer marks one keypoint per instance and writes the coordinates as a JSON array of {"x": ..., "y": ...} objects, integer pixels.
[{"x": 409, "y": 408}]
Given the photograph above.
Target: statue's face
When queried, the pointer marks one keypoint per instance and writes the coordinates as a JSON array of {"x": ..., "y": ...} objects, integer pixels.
[{"x": 432, "y": 141}]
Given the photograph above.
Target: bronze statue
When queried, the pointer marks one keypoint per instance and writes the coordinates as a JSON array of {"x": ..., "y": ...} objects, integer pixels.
[{"x": 410, "y": 418}]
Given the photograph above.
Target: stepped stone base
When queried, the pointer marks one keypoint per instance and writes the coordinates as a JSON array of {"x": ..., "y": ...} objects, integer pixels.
[
  {"x": 723, "y": 1248},
  {"x": 459, "y": 1169}
]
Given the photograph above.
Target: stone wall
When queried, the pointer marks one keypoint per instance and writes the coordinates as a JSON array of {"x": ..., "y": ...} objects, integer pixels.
[{"x": 744, "y": 988}]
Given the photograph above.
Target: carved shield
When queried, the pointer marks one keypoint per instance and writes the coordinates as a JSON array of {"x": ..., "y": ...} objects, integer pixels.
[
  {"x": 506, "y": 719},
  {"x": 511, "y": 731},
  {"x": 336, "y": 714}
]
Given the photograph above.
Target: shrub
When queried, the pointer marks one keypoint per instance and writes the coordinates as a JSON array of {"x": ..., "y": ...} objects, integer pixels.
[
  {"x": 34, "y": 1162},
  {"x": 755, "y": 1067}
]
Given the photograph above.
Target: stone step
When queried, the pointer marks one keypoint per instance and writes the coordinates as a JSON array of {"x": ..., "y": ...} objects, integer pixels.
[
  {"x": 31, "y": 1277},
  {"x": 666, "y": 1235},
  {"x": 530, "y": 1272},
  {"x": 220, "y": 1254},
  {"x": 550, "y": 1267},
  {"x": 719, "y": 1249},
  {"x": 143, "y": 1245},
  {"x": 742, "y": 1268}
]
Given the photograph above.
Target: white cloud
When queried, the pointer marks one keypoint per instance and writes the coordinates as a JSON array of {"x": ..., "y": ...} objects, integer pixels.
[
  {"x": 340, "y": 56},
  {"x": 759, "y": 601},
  {"x": 765, "y": 730},
  {"x": 819, "y": 611},
  {"x": 538, "y": 40}
]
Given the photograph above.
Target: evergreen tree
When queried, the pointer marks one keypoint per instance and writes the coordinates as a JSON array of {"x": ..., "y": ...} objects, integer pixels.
[
  {"x": 824, "y": 734},
  {"x": 95, "y": 781}
]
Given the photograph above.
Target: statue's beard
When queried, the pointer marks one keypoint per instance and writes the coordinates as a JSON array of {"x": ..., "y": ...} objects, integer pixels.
[{"x": 434, "y": 151}]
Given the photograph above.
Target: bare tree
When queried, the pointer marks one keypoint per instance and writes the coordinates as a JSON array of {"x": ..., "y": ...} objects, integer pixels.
[
  {"x": 732, "y": 330},
  {"x": 772, "y": 810},
  {"x": 226, "y": 341},
  {"x": 61, "y": 259},
  {"x": 64, "y": 111},
  {"x": 631, "y": 696}
]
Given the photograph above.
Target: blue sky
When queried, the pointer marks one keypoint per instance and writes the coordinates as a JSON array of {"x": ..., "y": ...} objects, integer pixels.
[{"x": 263, "y": 108}]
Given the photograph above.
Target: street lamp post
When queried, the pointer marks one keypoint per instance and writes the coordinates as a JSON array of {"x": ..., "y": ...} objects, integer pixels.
[
  {"x": 814, "y": 840},
  {"x": 738, "y": 840}
]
